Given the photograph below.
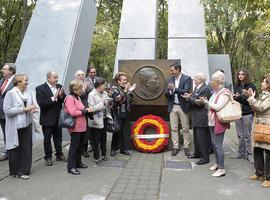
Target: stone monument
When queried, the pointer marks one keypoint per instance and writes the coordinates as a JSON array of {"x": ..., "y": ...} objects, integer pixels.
[
  {"x": 58, "y": 38},
  {"x": 138, "y": 31}
]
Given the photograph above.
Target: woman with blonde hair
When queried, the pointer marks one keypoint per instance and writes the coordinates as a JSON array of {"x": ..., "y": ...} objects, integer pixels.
[
  {"x": 261, "y": 107},
  {"x": 217, "y": 101},
  {"x": 18, "y": 107},
  {"x": 74, "y": 106}
]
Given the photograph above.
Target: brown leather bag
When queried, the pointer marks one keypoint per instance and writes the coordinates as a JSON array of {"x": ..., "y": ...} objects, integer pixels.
[{"x": 261, "y": 133}]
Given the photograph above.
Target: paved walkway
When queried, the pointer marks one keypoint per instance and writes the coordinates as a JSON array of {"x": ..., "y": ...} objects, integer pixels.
[{"x": 139, "y": 176}]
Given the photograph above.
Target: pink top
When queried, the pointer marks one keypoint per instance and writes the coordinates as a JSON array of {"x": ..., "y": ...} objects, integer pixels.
[{"x": 75, "y": 107}]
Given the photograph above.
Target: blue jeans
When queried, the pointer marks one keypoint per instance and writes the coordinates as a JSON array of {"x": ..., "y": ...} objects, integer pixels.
[{"x": 217, "y": 140}]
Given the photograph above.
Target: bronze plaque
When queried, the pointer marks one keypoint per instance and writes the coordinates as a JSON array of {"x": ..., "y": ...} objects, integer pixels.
[
  {"x": 150, "y": 77},
  {"x": 150, "y": 82}
]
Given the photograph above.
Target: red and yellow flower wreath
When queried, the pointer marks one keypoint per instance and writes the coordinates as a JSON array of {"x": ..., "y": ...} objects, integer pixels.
[{"x": 159, "y": 140}]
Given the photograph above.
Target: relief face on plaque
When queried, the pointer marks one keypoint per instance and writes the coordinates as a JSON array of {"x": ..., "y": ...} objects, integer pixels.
[{"x": 150, "y": 82}]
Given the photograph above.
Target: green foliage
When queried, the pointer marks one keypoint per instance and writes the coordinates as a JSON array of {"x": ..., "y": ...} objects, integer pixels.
[
  {"x": 239, "y": 28},
  {"x": 11, "y": 33},
  {"x": 233, "y": 27},
  {"x": 105, "y": 37}
]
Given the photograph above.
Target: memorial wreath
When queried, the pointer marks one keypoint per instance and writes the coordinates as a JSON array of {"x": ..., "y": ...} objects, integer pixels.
[{"x": 150, "y": 143}]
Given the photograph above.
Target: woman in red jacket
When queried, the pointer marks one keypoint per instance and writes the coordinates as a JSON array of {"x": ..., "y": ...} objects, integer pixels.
[{"x": 75, "y": 107}]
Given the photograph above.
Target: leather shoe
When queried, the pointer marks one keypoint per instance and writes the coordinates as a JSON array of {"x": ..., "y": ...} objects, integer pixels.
[
  {"x": 61, "y": 158},
  {"x": 74, "y": 171},
  {"x": 186, "y": 150},
  {"x": 125, "y": 153},
  {"x": 3, "y": 157},
  {"x": 202, "y": 162},
  {"x": 174, "y": 152},
  {"x": 113, "y": 153},
  {"x": 193, "y": 156},
  {"x": 81, "y": 166},
  {"x": 85, "y": 154},
  {"x": 49, "y": 162}
]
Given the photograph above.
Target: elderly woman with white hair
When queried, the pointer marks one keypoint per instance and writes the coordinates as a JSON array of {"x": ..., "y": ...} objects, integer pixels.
[
  {"x": 199, "y": 119},
  {"x": 217, "y": 101}
]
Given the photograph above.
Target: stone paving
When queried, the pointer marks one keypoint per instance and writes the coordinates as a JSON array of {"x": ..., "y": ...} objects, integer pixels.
[{"x": 140, "y": 179}]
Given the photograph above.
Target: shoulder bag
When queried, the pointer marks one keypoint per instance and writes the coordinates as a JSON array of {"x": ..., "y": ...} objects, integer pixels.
[
  {"x": 65, "y": 119},
  {"x": 230, "y": 112}
]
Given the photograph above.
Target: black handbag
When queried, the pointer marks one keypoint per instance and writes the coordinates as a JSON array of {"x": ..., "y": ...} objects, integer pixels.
[
  {"x": 65, "y": 120},
  {"x": 110, "y": 125}
]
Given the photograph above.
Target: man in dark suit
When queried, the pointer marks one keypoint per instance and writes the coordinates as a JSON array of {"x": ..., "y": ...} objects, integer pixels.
[
  {"x": 199, "y": 119},
  {"x": 178, "y": 107},
  {"x": 50, "y": 97},
  {"x": 6, "y": 84}
]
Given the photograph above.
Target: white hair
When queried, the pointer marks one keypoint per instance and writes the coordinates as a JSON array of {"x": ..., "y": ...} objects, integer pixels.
[
  {"x": 79, "y": 72},
  {"x": 201, "y": 76},
  {"x": 219, "y": 77}
]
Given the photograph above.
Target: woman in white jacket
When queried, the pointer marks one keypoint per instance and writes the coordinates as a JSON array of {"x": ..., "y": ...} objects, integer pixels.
[
  {"x": 99, "y": 100},
  {"x": 18, "y": 107}
]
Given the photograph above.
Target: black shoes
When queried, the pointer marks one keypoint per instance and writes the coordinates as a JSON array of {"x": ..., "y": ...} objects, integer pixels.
[
  {"x": 113, "y": 153},
  {"x": 85, "y": 154},
  {"x": 125, "y": 152},
  {"x": 175, "y": 152},
  {"x": 186, "y": 150},
  {"x": 83, "y": 166},
  {"x": 202, "y": 162},
  {"x": 74, "y": 171},
  {"x": 104, "y": 158},
  {"x": 98, "y": 161},
  {"x": 61, "y": 158},
  {"x": 193, "y": 156},
  {"x": 49, "y": 162}
]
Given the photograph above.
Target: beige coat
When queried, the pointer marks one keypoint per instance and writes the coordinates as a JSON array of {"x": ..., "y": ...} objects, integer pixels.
[
  {"x": 98, "y": 101},
  {"x": 262, "y": 110}
]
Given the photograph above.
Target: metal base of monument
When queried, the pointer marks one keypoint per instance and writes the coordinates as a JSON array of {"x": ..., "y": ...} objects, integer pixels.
[
  {"x": 178, "y": 164},
  {"x": 114, "y": 163}
]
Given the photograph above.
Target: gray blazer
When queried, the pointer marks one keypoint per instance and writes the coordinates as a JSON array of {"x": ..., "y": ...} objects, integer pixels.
[{"x": 98, "y": 101}]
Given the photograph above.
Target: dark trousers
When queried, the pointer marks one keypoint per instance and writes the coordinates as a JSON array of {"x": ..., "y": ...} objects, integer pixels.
[
  {"x": 3, "y": 126},
  {"x": 120, "y": 139},
  {"x": 48, "y": 133},
  {"x": 99, "y": 142},
  {"x": 201, "y": 137},
  {"x": 262, "y": 162},
  {"x": 75, "y": 150},
  {"x": 87, "y": 138},
  {"x": 20, "y": 158}
]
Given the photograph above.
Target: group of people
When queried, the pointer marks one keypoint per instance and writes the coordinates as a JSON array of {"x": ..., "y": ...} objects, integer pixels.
[
  {"x": 202, "y": 101},
  {"x": 93, "y": 107},
  {"x": 87, "y": 102}
]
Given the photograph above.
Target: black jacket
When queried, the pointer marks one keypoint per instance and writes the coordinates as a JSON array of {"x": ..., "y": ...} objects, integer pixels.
[
  {"x": 2, "y": 96},
  {"x": 184, "y": 86},
  {"x": 246, "y": 108},
  {"x": 49, "y": 110},
  {"x": 199, "y": 114}
]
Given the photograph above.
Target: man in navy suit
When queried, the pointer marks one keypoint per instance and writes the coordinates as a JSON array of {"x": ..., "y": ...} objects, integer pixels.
[
  {"x": 6, "y": 84},
  {"x": 178, "y": 107},
  {"x": 50, "y": 96}
]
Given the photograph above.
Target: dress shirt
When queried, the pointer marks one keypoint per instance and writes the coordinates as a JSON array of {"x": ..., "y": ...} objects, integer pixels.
[
  {"x": 54, "y": 90},
  {"x": 176, "y": 85},
  {"x": 9, "y": 81}
]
